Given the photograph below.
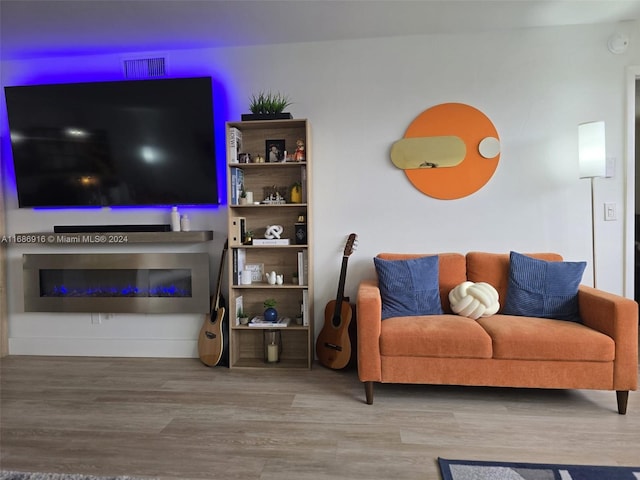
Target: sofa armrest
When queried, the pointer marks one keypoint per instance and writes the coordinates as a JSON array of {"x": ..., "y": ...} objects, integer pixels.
[
  {"x": 617, "y": 317},
  {"x": 369, "y": 322}
]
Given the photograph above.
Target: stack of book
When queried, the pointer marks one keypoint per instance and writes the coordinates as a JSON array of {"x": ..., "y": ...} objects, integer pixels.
[
  {"x": 237, "y": 181},
  {"x": 259, "y": 322}
]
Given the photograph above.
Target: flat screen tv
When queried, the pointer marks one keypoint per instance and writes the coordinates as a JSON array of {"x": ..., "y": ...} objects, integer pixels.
[{"x": 126, "y": 143}]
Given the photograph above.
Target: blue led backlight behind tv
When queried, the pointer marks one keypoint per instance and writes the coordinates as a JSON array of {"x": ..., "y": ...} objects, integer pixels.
[{"x": 127, "y": 143}]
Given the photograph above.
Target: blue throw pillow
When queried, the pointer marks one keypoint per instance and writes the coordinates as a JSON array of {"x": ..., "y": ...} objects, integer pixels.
[
  {"x": 538, "y": 288},
  {"x": 409, "y": 287}
]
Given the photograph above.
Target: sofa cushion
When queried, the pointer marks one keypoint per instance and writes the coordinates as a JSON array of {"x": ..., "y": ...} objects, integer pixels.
[
  {"x": 409, "y": 287},
  {"x": 538, "y": 288},
  {"x": 474, "y": 300},
  {"x": 445, "y": 335},
  {"x": 493, "y": 268},
  {"x": 529, "y": 338},
  {"x": 452, "y": 271}
]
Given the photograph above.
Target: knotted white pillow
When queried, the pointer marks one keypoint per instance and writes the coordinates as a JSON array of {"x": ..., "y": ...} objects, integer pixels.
[{"x": 474, "y": 300}]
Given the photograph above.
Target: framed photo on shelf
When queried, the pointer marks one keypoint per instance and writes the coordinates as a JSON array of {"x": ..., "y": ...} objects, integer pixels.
[
  {"x": 257, "y": 271},
  {"x": 274, "y": 151}
]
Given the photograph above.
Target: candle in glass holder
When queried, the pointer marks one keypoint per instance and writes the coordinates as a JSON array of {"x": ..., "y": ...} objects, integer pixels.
[
  {"x": 272, "y": 353},
  {"x": 272, "y": 346}
]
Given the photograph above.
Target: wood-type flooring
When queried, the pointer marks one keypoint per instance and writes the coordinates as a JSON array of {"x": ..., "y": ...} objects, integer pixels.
[{"x": 177, "y": 419}]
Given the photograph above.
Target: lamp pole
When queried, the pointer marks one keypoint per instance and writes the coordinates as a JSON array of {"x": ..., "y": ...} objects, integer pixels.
[{"x": 593, "y": 233}]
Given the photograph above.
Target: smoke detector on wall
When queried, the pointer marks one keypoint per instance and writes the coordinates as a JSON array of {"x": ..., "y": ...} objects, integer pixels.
[{"x": 618, "y": 43}]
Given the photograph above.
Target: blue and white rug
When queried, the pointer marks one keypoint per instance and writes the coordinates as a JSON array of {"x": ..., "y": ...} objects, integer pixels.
[{"x": 477, "y": 470}]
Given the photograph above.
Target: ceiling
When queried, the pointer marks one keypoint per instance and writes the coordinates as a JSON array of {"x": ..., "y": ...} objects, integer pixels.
[{"x": 39, "y": 28}]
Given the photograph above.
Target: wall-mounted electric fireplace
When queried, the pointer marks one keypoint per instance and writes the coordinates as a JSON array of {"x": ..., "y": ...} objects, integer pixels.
[{"x": 117, "y": 283}]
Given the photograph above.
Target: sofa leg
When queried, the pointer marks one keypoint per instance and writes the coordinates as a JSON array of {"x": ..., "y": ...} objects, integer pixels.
[
  {"x": 368, "y": 392},
  {"x": 623, "y": 397}
]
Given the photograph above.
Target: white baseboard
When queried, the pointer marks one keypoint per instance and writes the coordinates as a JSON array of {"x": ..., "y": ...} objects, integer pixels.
[{"x": 104, "y": 347}]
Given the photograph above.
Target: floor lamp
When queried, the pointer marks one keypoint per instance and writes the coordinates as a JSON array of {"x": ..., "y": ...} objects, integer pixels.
[{"x": 592, "y": 159}]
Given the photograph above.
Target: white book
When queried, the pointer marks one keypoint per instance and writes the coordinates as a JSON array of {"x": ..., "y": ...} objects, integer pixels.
[
  {"x": 300, "y": 268},
  {"x": 271, "y": 241},
  {"x": 235, "y": 144},
  {"x": 305, "y": 308},
  {"x": 241, "y": 258},
  {"x": 303, "y": 268}
]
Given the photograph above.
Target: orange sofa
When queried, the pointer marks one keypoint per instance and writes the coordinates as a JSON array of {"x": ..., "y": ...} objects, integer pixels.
[{"x": 499, "y": 350}]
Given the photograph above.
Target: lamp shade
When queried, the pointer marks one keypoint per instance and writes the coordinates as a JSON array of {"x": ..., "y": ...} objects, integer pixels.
[{"x": 592, "y": 155}]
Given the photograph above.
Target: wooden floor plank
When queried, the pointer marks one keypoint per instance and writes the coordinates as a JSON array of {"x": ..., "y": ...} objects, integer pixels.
[{"x": 176, "y": 419}]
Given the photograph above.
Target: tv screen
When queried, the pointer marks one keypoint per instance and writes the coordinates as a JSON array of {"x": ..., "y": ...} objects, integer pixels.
[{"x": 127, "y": 143}]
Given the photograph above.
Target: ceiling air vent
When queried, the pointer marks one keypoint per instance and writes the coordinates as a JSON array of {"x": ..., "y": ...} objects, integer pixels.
[{"x": 145, "y": 67}]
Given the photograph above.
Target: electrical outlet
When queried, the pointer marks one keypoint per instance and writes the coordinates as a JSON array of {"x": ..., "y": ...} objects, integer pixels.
[
  {"x": 610, "y": 211},
  {"x": 96, "y": 319}
]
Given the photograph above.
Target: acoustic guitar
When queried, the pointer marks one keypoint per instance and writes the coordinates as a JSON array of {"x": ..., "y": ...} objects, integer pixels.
[
  {"x": 333, "y": 346},
  {"x": 211, "y": 341}
]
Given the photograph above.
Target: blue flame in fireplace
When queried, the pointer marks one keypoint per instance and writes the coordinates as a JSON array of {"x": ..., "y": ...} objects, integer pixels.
[
  {"x": 128, "y": 291},
  {"x": 119, "y": 283}
]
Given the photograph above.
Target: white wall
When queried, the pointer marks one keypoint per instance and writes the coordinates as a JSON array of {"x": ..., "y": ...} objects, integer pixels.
[{"x": 535, "y": 85}]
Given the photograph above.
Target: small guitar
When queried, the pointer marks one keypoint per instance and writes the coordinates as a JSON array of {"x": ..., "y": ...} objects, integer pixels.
[
  {"x": 210, "y": 340},
  {"x": 333, "y": 346}
]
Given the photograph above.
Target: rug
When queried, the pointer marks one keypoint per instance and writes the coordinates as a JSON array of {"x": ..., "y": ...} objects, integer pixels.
[
  {"x": 6, "y": 475},
  {"x": 477, "y": 470}
]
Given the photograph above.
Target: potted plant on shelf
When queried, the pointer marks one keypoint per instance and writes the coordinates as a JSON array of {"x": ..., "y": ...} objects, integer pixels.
[
  {"x": 270, "y": 313},
  {"x": 243, "y": 196},
  {"x": 268, "y": 106},
  {"x": 248, "y": 237},
  {"x": 243, "y": 318}
]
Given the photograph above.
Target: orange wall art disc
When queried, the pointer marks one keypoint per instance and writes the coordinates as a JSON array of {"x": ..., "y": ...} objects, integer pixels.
[{"x": 481, "y": 158}]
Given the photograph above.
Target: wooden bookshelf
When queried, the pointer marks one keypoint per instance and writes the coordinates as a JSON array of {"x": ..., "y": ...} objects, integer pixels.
[{"x": 246, "y": 343}]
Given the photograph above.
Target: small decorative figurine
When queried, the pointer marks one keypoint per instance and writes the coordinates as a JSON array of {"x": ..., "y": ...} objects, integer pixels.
[
  {"x": 273, "y": 231},
  {"x": 296, "y": 193},
  {"x": 298, "y": 156},
  {"x": 274, "y": 195}
]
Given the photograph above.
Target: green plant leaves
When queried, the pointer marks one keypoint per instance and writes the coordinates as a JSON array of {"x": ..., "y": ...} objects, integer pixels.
[{"x": 265, "y": 103}]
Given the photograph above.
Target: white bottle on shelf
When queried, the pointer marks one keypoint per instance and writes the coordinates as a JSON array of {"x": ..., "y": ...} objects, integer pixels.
[
  {"x": 185, "y": 224},
  {"x": 175, "y": 219}
]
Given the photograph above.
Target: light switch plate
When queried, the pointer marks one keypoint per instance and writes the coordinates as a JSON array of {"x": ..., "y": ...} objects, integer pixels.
[{"x": 610, "y": 211}]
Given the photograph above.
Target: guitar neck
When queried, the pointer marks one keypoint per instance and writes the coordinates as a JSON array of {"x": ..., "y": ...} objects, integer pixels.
[
  {"x": 343, "y": 276},
  {"x": 216, "y": 306},
  {"x": 348, "y": 249}
]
